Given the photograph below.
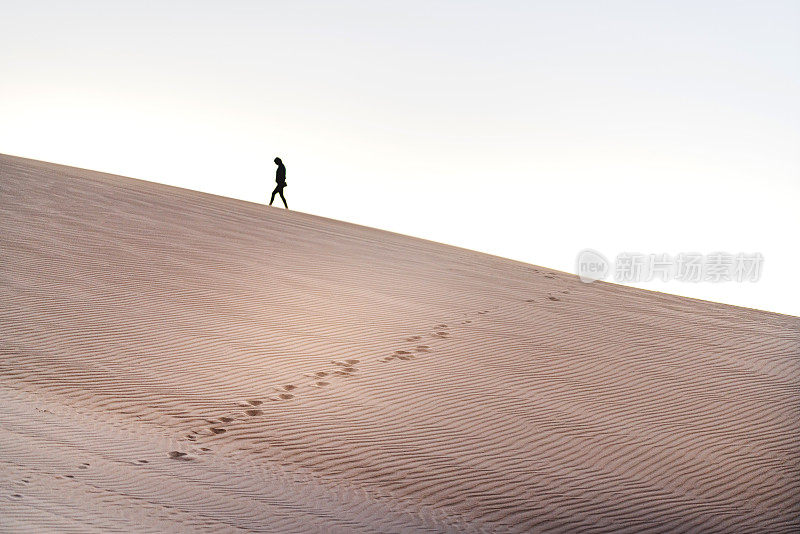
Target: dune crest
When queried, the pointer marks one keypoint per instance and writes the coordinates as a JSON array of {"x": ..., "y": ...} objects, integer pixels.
[{"x": 173, "y": 360}]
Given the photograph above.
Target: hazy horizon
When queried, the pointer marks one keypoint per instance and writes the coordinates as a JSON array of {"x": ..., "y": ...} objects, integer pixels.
[{"x": 529, "y": 131}]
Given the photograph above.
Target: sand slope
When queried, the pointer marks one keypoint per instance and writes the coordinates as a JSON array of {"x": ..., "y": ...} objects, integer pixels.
[{"x": 171, "y": 360}]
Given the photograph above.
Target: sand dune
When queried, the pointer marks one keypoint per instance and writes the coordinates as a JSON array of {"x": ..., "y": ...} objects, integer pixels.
[{"x": 173, "y": 360}]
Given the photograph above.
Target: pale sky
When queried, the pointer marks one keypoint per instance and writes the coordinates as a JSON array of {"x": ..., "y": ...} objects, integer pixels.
[{"x": 530, "y": 130}]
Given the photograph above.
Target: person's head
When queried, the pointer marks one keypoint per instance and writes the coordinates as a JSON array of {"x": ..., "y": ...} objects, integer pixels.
[{"x": 278, "y": 161}]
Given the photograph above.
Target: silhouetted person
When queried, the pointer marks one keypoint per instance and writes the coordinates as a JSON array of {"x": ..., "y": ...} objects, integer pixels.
[{"x": 280, "y": 179}]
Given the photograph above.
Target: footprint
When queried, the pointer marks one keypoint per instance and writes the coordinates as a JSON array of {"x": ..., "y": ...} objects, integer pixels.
[
  {"x": 69, "y": 476},
  {"x": 17, "y": 496},
  {"x": 351, "y": 362},
  {"x": 406, "y": 357},
  {"x": 176, "y": 455},
  {"x": 553, "y": 298},
  {"x": 289, "y": 387},
  {"x": 400, "y": 352},
  {"x": 286, "y": 396},
  {"x": 414, "y": 338},
  {"x": 530, "y": 300},
  {"x": 321, "y": 384},
  {"x": 253, "y": 413},
  {"x": 218, "y": 430},
  {"x": 565, "y": 292},
  {"x": 423, "y": 348},
  {"x": 320, "y": 374},
  {"x": 83, "y": 466},
  {"x": 205, "y": 449},
  {"x": 549, "y": 276},
  {"x": 226, "y": 419},
  {"x": 441, "y": 326},
  {"x": 255, "y": 402},
  {"x": 386, "y": 359},
  {"x": 143, "y": 462}
]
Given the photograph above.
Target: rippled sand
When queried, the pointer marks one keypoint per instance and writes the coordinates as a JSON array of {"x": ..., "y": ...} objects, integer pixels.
[{"x": 172, "y": 360}]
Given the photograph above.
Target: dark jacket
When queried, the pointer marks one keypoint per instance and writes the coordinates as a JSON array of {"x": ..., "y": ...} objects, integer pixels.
[{"x": 280, "y": 175}]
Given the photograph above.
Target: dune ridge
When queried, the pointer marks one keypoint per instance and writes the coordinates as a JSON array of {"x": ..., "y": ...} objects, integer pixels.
[{"x": 173, "y": 360}]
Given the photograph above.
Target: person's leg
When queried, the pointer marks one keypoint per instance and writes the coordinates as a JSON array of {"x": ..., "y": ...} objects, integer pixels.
[
  {"x": 272, "y": 198},
  {"x": 283, "y": 198}
]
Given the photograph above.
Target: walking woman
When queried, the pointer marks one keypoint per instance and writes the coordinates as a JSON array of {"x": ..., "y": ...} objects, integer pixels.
[{"x": 280, "y": 179}]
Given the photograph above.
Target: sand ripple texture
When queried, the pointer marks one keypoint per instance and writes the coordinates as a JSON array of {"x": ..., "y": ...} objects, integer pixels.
[{"x": 177, "y": 361}]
